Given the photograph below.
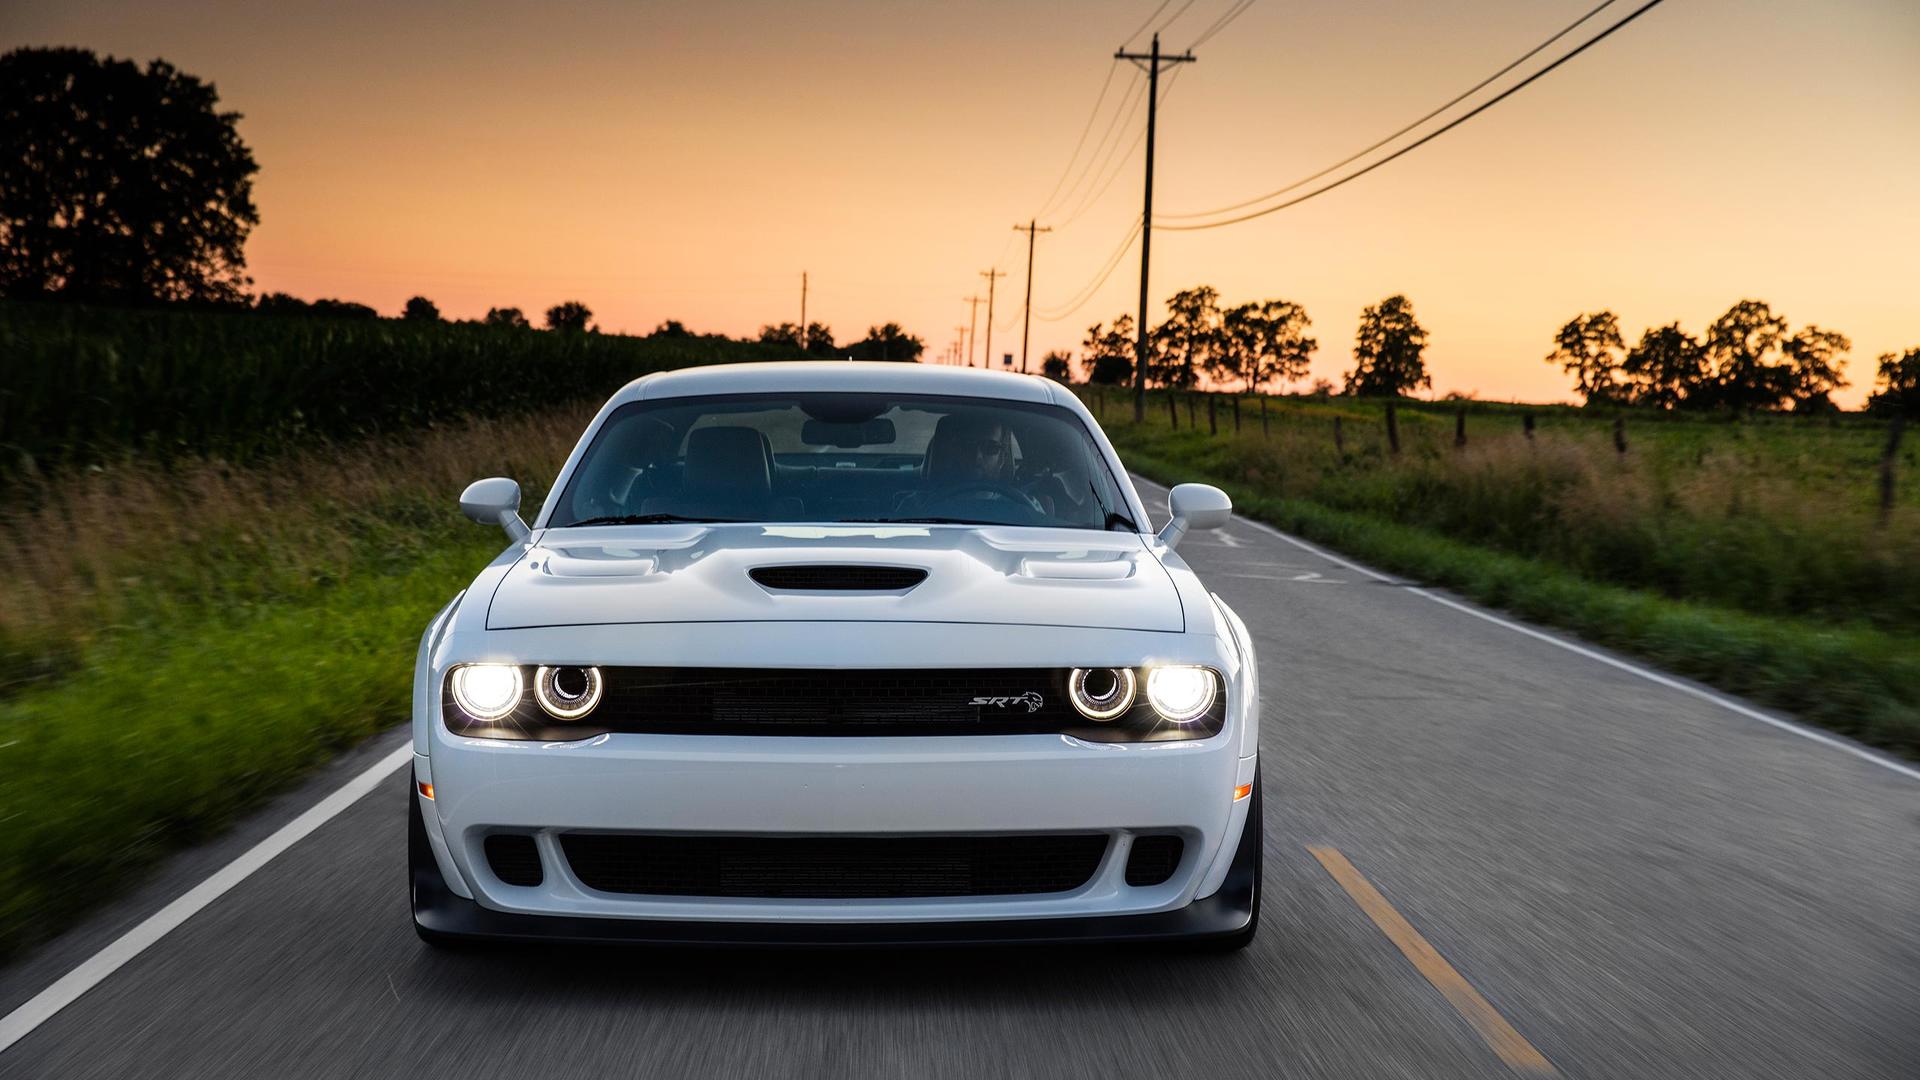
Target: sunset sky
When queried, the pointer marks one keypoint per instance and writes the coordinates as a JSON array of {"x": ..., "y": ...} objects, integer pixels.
[{"x": 689, "y": 161}]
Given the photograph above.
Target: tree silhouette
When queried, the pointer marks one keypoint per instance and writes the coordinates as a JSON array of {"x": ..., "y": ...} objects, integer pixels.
[
  {"x": 571, "y": 317},
  {"x": 1587, "y": 348},
  {"x": 1897, "y": 384},
  {"x": 1388, "y": 351},
  {"x": 1109, "y": 353},
  {"x": 1057, "y": 366},
  {"x": 1666, "y": 369},
  {"x": 117, "y": 184},
  {"x": 506, "y": 316},
  {"x": 1813, "y": 359},
  {"x": 1191, "y": 339},
  {"x": 1265, "y": 342},
  {"x": 886, "y": 342},
  {"x": 1741, "y": 346},
  {"x": 420, "y": 309},
  {"x": 672, "y": 328},
  {"x": 819, "y": 338}
]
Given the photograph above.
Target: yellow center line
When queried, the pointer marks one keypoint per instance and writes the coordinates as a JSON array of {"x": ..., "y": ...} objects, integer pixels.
[{"x": 1512, "y": 1047}]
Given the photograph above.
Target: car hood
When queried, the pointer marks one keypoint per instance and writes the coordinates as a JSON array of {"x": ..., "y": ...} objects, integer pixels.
[{"x": 700, "y": 573}]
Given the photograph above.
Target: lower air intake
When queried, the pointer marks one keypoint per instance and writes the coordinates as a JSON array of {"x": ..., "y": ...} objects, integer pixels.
[
  {"x": 833, "y": 868},
  {"x": 1153, "y": 859},
  {"x": 513, "y": 858}
]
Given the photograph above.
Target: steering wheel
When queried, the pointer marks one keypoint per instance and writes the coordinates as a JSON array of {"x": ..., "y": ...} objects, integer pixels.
[{"x": 985, "y": 487}]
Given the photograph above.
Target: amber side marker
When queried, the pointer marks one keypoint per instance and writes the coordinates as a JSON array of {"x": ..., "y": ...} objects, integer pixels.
[
  {"x": 1512, "y": 1047},
  {"x": 426, "y": 789},
  {"x": 1242, "y": 792}
]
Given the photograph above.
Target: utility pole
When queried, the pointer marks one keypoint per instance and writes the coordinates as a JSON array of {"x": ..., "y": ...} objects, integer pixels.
[
  {"x": 803, "y": 311},
  {"x": 959, "y": 342},
  {"x": 1154, "y": 60},
  {"x": 973, "y": 324},
  {"x": 1026, "y": 309},
  {"x": 991, "y": 276}
]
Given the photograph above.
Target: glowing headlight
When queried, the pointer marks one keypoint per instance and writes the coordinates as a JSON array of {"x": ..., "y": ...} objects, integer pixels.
[
  {"x": 1180, "y": 694},
  {"x": 1101, "y": 693},
  {"x": 486, "y": 691},
  {"x": 567, "y": 693}
]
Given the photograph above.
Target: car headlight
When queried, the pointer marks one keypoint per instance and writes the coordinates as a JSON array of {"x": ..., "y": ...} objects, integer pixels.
[
  {"x": 1180, "y": 695},
  {"x": 567, "y": 693},
  {"x": 486, "y": 691},
  {"x": 1101, "y": 693}
]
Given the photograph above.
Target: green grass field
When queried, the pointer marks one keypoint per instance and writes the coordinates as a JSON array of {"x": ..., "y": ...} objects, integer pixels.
[{"x": 1750, "y": 555}]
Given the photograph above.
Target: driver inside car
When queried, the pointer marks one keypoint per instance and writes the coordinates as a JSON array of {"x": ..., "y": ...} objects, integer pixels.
[{"x": 969, "y": 453}]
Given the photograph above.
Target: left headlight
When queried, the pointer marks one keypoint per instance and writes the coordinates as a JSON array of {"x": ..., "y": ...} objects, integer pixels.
[
  {"x": 1180, "y": 695},
  {"x": 487, "y": 691}
]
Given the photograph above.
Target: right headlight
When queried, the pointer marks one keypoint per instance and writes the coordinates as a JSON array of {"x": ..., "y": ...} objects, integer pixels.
[{"x": 1181, "y": 694}]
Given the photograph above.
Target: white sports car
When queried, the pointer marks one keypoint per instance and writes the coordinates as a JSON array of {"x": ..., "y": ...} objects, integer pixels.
[{"x": 821, "y": 653}]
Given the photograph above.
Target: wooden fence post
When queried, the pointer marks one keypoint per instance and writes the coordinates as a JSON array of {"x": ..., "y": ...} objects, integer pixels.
[
  {"x": 1265, "y": 432},
  {"x": 1213, "y": 421},
  {"x": 1191, "y": 422},
  {"x": 1620, "y": 434},
  {"x": 1887, "y": 459},
  {"x": 1460, "y": 429},
  {"x": 1393, "y": 426},
  {"x": 1526, "y": 425},
  {"x": 1339, "y": 444},
  {"x": 1173, "y": 412}
]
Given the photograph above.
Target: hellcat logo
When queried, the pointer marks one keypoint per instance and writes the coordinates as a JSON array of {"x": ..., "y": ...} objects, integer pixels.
[{"x": 1031, "y": 699}]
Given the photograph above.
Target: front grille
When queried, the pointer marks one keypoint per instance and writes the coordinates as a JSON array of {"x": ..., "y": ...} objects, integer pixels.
[
  {"x": 839, "y": 578},
  {"x": 513, "y": 858},
  {"x": 1153, "y": 859},
  {"x": 833, "y": 867},
  {"x": 793, "y": 701}
]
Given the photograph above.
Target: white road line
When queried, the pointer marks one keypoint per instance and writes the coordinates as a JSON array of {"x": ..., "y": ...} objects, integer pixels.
[
  {"x": 42, "y": 1006},
  {"x": 1646, "y": 673}
]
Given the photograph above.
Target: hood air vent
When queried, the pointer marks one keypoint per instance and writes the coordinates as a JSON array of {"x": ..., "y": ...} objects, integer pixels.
[{"x": 838, "y": 578}]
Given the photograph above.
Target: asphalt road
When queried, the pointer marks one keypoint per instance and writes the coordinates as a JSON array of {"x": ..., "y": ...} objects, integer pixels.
[{"x": 1641, "y": 883}]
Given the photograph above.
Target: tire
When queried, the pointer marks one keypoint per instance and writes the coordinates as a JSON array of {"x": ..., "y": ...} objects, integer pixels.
[{"x": 1255, "y": 832}]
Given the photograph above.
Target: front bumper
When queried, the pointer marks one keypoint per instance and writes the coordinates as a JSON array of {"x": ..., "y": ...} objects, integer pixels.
[{"x": 1227, "y": 912}]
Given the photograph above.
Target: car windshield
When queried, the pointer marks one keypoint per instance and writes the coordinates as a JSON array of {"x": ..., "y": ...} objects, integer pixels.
[{"x": 843, "y": 457}]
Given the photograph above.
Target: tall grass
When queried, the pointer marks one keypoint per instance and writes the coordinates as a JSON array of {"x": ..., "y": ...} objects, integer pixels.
[{"x": 80, "y": 385}]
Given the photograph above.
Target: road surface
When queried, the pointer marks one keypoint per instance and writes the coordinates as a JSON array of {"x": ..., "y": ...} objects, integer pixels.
[{"x": 1487, "y": 855}]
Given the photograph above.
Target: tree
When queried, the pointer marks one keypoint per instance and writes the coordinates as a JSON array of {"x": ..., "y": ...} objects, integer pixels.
[
  {"x": 887, "y": 342},
  {"x": 786, "y": 333},
  {"x": 506, "y": 316},
  {"x": 1588, "y": 348},
  {"x": 1190, "y": 341},
  {"x": 1668, "y": 368},
  {"x": 819, "y": 340},
  {"x": 420, "y": 309},
  {"x": 1266, "y": 342},
  {"x": 1741, "y": 346},
  {"x": 1897, "y": 385},
  {"x": 1057, "y": 366},
  {"x": 571, "y": 317},
  {"x": 1388, "y": 351},
  {"x": 672, "y": 328},
  {"x": 119, "y": 185},
  {"x": 1109, "y": 354},
  {"x": 1813, "y": 359}
]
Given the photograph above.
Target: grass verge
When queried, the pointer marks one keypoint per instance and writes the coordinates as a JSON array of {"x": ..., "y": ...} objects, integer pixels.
[{"x": 1861, "y": 682}]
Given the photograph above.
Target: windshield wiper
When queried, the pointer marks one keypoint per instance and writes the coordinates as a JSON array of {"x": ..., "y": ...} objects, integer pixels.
[
  {"x": 651, "y": 519},
  {"x": 919, "y": 521}
]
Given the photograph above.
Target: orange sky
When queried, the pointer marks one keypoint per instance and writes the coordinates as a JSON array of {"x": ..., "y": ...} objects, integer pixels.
[{"x": 690, "y": 160}]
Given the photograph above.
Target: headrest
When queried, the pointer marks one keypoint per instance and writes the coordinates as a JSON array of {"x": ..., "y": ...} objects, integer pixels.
[{"x": 734, "y": 461}]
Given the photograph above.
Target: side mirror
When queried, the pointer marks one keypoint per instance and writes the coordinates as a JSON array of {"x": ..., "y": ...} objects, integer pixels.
[
  {"x": 1195, "y": 506},
  {"x": 496, "y": 501}
]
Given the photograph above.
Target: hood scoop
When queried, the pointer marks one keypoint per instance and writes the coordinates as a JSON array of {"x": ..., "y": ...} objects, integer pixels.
[{"x": 837, "y": 577}]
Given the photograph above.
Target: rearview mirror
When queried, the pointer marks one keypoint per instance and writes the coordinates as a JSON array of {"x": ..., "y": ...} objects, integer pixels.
[
  {"x": 496, "y": 501},
  {"x": 846, "y": 436},
  {"x": 1195, "y": 506}
]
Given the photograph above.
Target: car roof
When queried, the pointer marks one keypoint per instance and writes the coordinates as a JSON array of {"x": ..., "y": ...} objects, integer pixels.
[{"x": 841, "y": 375}]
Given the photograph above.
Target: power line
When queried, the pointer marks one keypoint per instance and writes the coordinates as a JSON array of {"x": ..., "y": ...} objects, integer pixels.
[
  {"x": 1423, "y": 140},
  {"x": 1094, "y": 196},
  {"x": 1123, "y": 113},
  {"x": 1088, "y": 292},
  {"x": 1233, "y": 12},
  {"x": 1084, "y": 130},
  {"x": 1173, "y": 18},
  {"x": 1144, "y": 23}
]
